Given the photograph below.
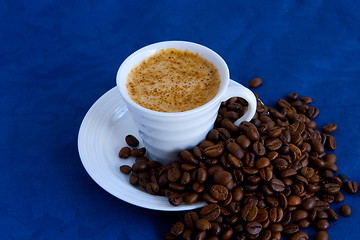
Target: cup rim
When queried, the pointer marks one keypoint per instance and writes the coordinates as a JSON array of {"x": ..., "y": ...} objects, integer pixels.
[{"x": 151, "y": 50}]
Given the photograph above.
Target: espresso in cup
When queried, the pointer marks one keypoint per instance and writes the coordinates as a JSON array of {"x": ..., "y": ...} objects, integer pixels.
[{"x": 173, "y": 80}]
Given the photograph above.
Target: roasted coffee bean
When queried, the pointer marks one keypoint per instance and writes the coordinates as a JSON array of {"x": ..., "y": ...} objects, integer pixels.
[
  {"x": 332, "y": 215},
  {"x": 234, "y": 162},
  {"x": 291, "y": 228},
  {"x": 125, "y": 169},
  {"x": 214, "y": 151},
  {"x": 224, "y": 134},
  {"x": 229, "y": 125},
  {"x": 210, "y": 212},
  {"x": 331, "y": 142},
  {"x": 198, "y": 187},
  {"x": 175, "y": 199},
  {"x": 191, "y": 198},
  {"x": 321, "y": 235},
  {"x": 277, "y": 185},
  {"x": 243, "y": 141},
  {"x": 237, "y": 194},
  {"x": 253, "y": 227},
  {"x": 213, "y": 135},
  {"x": 234, "y": 149},
  {"x": 332, "y": 188},
  {"x": 307, "y": 172},
  {"x": 201, "y": 175},
  {"x": 188, "y": 157},
  {"x": 330, "y": 128},
  {"x": 273, "y": 143},
  {"x": 352, "y": 186},
  {"x": 250, "y": 130},
  {"x": 309, "y": 203},
  {"x": 190, "y": 219},
  {"x": 299, "y": 214},
  {"x": 345, "y": 210},
  {"x": 322, "y": 215},
  {"x": 266, "y": 173},
  {"x": 124, "y": 152},
  {"x": 288, "y": 173},
  {"x": 131, "y": 141},
  {"x": 262, "y": 162},
  {"x": 203, "y": 224},
  {"x": 222, "y": 177},
  {"x": 185, "y": 178},
  {"x": 177, "y": 229},
  {"x": 312, "y": 112},
  {"x": 219, "y": 192},
  {"x": 255, "y": 82},
  {"x": 304, "y": 223},
  {"x": 173, "y": 174},
  {"x": 276, "y": 214},
  {"x": 258, "y": 148},
  {"x": 300, "y": 236},
  {"x": 139, "y": 166},
  {"x": 228, "y": 233},
  {"x": 200, "y": 235},
  {"x": 152, "y": 188},
  {"x": 134, "y": 180},
  {"x": 294, "y": 200},
  {"x": 322, "y": 224},
  {"x": 138, "y": 152},
  {"x": 339, "y": 197},
  {"x": 249, "y": 212},
  {"x": 276, "y": 227}
]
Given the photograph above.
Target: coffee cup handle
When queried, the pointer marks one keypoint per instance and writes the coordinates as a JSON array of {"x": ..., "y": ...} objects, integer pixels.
[{"x": 239, "y": 90}]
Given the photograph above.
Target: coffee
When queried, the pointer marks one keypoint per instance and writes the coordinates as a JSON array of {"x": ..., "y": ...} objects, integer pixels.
[{"x": 172, "y": 80}]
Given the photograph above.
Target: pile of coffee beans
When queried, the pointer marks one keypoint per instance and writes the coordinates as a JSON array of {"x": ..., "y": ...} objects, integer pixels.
[{"x": 261, "y": 180}]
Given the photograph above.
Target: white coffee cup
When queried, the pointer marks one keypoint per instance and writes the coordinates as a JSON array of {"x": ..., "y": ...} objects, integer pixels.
[{"x": 165, "y": 134}]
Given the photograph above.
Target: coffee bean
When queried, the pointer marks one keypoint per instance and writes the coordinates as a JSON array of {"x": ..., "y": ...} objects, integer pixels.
[
  {"x": 210, "y": 212},
  {"x": 291, "y": 228},
  {"x": 234, "y": 149},
  {"x": 202, "y": 224},
  {"x": 191, "y": 198},
  {"x": 249, "y": 212},
  {"x": 177, "y": 229},
  {"x": 243, "y": 141},
  {"x": 201, "y": 174},
  {"x": 331, "y": 142},
  {"x": 219, "y": 192},
  {"x": 300, "y": 236},
  {"x": 276, "y": 214},
  {"x": 188, "y": 157},
  {"x": 190, "y": 219},
  {"x": 138, "y": 152},
  {"x": 131, "y": 141},
  {"x": 332, "y": 215},
  {"x": 175, "y": 199},
  {"x": 273, "y": 143},
  {"x": 322, "y": 224},
  {"x": 258, "y": 148},
  {"x": 253, "y": 227},
  {"x": 294, "y": 200},
  {"x": 255, "y": 82},
  {"x": 125, "y": 169},
  {"x": 312, "y": 112},
  {"x": 277, "y": 185},
  {"x": 309, "y": 203},
  {"x": 262, "y": 162},
  {"x": 152, "y": 188},
  {"x": 222, "y": 177},
  {"x": 321, "y": 235},
  {"x": 352, "y": 187},
  {"x": 330, "y": 128},
  {"x": 343, "y": 178},
  {"x": 299, "y": 214},
  {"x": 266, "y": 173},
  {"x": 200, "y": 235},
  {"x": 173, "y": 174},
  {"x": 134, "y": 180},
  {"x": 214, "y": 151},
  {"x": 124, "y": 152},
  {"x": 250, "y": 130},
  {"x": 339, "y": 197},
  {"x": 345, "y": 210}
]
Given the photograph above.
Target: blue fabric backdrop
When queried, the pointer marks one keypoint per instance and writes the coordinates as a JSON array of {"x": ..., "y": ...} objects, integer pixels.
[{"x": 58, "y": 57}]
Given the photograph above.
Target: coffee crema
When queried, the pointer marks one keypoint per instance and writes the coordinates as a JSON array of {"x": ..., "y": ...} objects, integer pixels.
[{"x": 173, "y": 80}]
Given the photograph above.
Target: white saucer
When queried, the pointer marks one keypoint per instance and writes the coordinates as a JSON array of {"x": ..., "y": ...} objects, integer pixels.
[{"x": 102, "y": 134}]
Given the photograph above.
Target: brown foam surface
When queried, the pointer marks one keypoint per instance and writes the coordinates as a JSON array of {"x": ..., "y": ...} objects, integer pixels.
[{"x": 173, "y": 81}]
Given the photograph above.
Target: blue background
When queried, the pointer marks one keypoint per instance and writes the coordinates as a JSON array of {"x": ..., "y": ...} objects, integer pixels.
[{"x": 58, "y": 57}]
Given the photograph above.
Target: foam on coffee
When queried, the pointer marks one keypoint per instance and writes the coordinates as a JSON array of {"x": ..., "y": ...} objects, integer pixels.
[{"x": 173, "y": 80}]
